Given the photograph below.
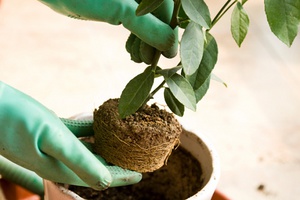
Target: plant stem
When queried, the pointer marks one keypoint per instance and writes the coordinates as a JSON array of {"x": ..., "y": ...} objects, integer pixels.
[
  {"x": 174, "y": 21},
  {"x": 156, "y": 90},
  {"x": 222, "y": 12},
  {"x": 153, "y": 66},
  {"x": 173, "y": 25},
  {"x": 155, "y": 60}
]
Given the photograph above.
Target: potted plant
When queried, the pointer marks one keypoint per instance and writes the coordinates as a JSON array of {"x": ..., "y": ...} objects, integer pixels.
[
  {"x": 184, "y": 85},
  {"x": 183, "y": 175}
]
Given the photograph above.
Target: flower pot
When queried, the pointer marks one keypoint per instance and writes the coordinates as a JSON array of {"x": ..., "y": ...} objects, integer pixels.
[
  {"x": 197, "y": 145},
  {"x": 11, "y": 191}
]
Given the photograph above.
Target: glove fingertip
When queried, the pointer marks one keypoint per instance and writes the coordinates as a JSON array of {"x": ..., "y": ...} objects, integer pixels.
[
  {"x": 147, "y": 53},
  {"x": 103, "y": 184},
  {"x": 101, "y": 180},
  {"x": 171, "y": 53},
  {"x": 134, "y": 52},
  {"x": 123, "y": 177},
  {"x": 173, "y": 41},
  {"x": 129, "y": 42},
  {"x": 132, "y": 47}
]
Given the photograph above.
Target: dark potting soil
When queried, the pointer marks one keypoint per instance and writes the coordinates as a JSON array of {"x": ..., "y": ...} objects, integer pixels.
[{"x": 178, "y": 180}]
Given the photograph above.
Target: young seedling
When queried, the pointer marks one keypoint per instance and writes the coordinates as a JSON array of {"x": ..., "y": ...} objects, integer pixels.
[
  {"x": 129, "y": 122},
  {"x": 125, "y": 132},
  {"x": 187, "y": 83}
]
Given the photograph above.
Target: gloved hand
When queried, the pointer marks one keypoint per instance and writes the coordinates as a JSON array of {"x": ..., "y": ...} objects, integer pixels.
[
  {"x": 143, "y": 52},
  {"x": 149, "y": 28},
  {"x": 35, "y": 138}
]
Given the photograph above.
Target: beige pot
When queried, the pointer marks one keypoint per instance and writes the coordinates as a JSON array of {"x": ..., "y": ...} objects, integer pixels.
[{"x": 196, "y": 144}]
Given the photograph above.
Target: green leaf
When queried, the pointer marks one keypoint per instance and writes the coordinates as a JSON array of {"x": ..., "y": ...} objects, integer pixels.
[
  {"x": 208, "y": 62},
  {"x": 147, "y": 6},
  {"x": 182, "y": 90},
  {"x": 183, "y": 19},
  {"x": 175, "y": 106},
  {"x": 244, "y": 1},
  {"x": 169, "y": 72},
  {"x": 201, "y": 91},
  {"x": 218, "y": 79},
  {"x": 283, "y": 18},
  {"x": 239, "y": 24},
  {"x": 136, "y": 92},
  {"x": 197, "y": 11},
  {"x": 191, "y": 48}
]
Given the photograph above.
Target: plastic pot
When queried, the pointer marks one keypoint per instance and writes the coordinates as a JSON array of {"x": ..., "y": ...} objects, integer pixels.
[
  {"x": 11, "y": 191},
  {"x": 197, "y": 144}
]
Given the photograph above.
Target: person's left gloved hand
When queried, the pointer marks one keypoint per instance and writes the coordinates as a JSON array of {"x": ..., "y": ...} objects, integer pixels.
[{"x": 35, "y": 138}]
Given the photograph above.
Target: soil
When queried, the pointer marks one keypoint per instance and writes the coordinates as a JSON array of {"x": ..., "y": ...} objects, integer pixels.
[
  {"x": 141, "y": 142},
  {"x": 178, "y": 180}
]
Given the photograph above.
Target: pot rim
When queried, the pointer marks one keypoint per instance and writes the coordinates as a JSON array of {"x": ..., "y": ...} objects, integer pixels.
[{"x": 211, "y": 185}]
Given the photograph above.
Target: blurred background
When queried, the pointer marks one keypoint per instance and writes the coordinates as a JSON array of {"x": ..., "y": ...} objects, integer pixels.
[{"x": 72, "y": 66}]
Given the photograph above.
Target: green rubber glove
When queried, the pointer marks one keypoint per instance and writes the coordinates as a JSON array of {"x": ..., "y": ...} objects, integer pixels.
[
  {"x": 143, "y": 52},
  {"x": 147, "y": 27},
  {"x": 35, "y": 138}
]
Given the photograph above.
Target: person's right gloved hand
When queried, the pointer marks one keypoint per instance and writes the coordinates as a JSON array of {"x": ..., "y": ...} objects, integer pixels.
[{"x": 149, "y": 28}]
